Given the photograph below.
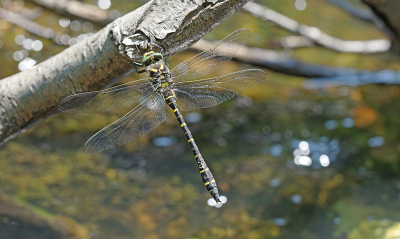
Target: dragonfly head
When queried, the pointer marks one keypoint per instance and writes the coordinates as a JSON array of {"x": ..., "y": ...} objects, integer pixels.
[{"x": 151, "y": 57}]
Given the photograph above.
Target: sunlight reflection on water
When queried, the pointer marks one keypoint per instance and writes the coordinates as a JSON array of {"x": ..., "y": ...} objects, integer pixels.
[
  {"x": 321, "y": 153},
  {"x": 211, "y": 202}
]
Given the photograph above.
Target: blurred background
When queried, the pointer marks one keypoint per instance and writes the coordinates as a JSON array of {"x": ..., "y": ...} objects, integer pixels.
[{"x": 312, "y": 152}]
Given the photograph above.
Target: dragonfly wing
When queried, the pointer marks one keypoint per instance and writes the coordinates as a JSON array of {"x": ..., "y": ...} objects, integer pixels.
[
  {"x": 213, "y": 91},
  {"x": 135, "y": 124},
  {"x": 109, "y": 99},
  {"x": 209, "y": 61}
]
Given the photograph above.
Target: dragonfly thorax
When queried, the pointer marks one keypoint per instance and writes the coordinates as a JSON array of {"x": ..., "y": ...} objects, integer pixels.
[{"x": 158, "y": 71}]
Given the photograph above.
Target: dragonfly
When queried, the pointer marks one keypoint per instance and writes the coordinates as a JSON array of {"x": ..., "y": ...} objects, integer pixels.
[{"x": 163, "y": 89}]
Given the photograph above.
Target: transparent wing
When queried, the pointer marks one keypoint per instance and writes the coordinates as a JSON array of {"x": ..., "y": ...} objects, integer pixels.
[
  {"x": 209, "y": 61},
  {"x": 138, "y": 122},
  {"x": 213, "y": 91},
  {"x": 109, "y": 99}
]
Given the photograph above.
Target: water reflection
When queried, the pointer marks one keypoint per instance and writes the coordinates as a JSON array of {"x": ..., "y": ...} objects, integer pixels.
[
  {"x": 193, "y": 117},
  {"x": 269, "y": 169},
  {"x": 211, "y": 202},
  {"x": 363, "y": 78},
  {"x": 18, "y": 55},
  {"x": 276, "y": 150},
  {"x": 330, "y": 124},
  {"x": 300, "y": 5},
  {"x": 64, "y": 39},
  {"x": 87, "y": 27},
  {"x": 164, "y": 141},
  {"x": 28, "y": 44},
  {"x": 348, "y": 122},
  {"x": 376, "y": 141},
  {"x": 37, "y": 45},
  {"x": 64, "y": 22},
  {"x": 104, "y": 4},
  {"x": 26, "y": 64},
  {"x": 275, "y": 182},
  {"x": 19, "y": 39},
  {"x": 324, "y": 160},
  {"x": 114, "y": 14},
  {"x": 296, "y": 198},
  {"x": 336, "y": 220},
  {"x": 320, "y": 153},
  {"x": 280, "y": 221}
]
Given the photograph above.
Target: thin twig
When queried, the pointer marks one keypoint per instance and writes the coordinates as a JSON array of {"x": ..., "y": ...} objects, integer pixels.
[{"x": 315, "y": 34}]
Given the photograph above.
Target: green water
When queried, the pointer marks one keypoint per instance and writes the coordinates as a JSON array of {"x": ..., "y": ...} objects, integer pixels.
[{"x": 140, "y": 190}]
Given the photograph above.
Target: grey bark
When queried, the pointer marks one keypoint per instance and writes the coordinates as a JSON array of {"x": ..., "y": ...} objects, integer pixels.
[{"x": 31, "y": 96}]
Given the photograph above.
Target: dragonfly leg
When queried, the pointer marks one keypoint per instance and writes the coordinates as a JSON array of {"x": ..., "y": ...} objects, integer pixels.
[
  {"x": 161, "y": 49},
  {"x": 166, "y": 62},
  {"x": 137, "y": 64}
]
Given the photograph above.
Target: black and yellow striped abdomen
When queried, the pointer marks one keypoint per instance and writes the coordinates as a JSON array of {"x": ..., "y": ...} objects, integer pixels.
[{"x": 205, "y": 172}]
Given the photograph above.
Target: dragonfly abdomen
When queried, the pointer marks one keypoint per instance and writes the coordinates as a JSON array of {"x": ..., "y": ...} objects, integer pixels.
[{"x": 206, "y": 175}]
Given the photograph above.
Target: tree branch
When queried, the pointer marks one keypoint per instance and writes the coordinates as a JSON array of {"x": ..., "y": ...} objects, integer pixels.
[
  {"x": 76, "y": 10},
  {"x": 315, "y": 34},
  {"x": 279, "y": 62},
  {"x": 98, "y": 61},
  {"x": 363, "y": 14},
  {"x": 388, "y": 12},
  {"x": 31, "y": 216},
  {"x": 360, "y": 78},
  {"x": 27, "y": 24},
  {"x": 272, "y": 60}
]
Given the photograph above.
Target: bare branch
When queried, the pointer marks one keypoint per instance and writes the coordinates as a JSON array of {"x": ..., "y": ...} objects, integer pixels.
[
  {"x": 272, "y": 60},
  {"x": 76, "y": 10},
  {"x": 279, "y": 62},
  {"x": 34, "y": 27},
  {"x": 29, "y": 215},
  {"x": 296, "y": 41},
  {"x": 30, "y": 96},
  {"x": 388, "y": 12},
  {"x": 315, "y": 34},
  {"x": 27, "y": 24},
  {"x": 360, "y": 78},
  {"x": 363, "y": 14},
  {"x": 265, "y": 58}
]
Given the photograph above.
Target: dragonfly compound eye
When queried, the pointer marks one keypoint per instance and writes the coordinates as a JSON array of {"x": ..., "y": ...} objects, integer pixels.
[
  {"x": 148, "y": 58},
  {"x": 158, "y": 56}
]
